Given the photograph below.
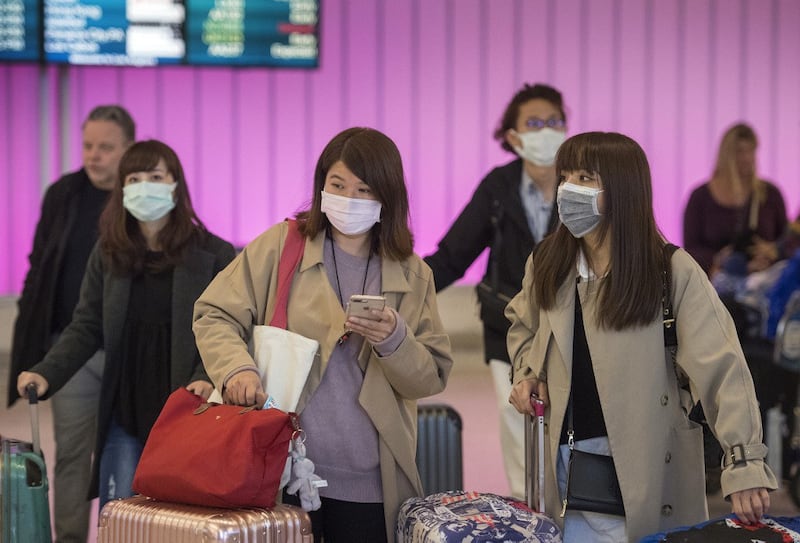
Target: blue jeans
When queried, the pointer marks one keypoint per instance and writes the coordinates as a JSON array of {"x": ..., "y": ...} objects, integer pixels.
[{"x": 118, "y": 463}]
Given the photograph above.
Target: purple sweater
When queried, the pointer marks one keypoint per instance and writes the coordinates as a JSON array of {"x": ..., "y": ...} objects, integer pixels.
[
  {"x": 709, "y": 226},
  {"x": 341, "y": 439}
]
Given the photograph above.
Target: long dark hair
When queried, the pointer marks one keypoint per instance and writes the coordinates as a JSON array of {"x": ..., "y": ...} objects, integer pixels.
[
  {"x": 121, "y": 240},
  {"x": 631, "y": 294},
  {"x": 375, "y": 159}
]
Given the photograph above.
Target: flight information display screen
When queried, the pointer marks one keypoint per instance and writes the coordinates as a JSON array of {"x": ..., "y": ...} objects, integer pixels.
[
  {"x": 203, "y": 32},
  {"x": 20, "y": 30}
]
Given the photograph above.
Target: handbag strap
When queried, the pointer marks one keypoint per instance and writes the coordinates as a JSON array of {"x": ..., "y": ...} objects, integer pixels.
[
  {"x": 290, "y": 258},
  {"x": 670, "y": 333}
]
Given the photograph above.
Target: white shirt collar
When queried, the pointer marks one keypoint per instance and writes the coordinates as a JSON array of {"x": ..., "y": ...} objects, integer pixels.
[{"x": 583, "y": 267}]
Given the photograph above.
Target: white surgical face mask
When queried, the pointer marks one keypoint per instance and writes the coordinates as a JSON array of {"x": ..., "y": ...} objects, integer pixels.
[
  {"x": 577, "y": 208},
  {"x": 351, "y": 216},
  {"x": 148, "y": 201},
  {"x": 540, "y": 146}
]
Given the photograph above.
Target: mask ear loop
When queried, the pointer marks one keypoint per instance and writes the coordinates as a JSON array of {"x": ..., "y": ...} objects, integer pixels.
[{"x": 594, "y": 202}]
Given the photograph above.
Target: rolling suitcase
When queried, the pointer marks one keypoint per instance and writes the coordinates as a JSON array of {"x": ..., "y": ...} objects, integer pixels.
[
  {"x": 439, "y": 452},
  {"x": 24, "y": 505},
  {"x": 458, "y": 516},
  {"x": 144, "y": 520}
]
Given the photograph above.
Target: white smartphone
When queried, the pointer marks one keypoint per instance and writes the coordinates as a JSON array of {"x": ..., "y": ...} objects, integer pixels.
[{"x": 360, "y": 304}]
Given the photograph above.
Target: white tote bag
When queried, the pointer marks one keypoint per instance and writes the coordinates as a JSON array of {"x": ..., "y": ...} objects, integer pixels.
[{"x": 284, "y": 360}]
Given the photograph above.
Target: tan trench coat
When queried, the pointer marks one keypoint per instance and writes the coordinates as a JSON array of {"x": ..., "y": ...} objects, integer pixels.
[
  {"x": 657, "y": 450},
  {"x": 243, "y": 294}
]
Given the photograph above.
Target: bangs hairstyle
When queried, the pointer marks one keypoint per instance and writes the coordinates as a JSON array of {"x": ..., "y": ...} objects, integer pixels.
[
  {"x": 121, "y": 240},
  {"x": 631, "y": 293},
  {"x": 375, "y": 159},
  {"x": 526, "y": 94}
]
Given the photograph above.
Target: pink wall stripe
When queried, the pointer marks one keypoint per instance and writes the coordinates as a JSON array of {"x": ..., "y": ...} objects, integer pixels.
[{"x": 434, "y": 75}]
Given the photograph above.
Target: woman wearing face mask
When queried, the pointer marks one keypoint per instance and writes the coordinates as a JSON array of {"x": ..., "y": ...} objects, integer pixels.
[
  {"x": 588, "y": 338},
  {"x": 510, "y": 212},
  {"x": 358, "y": 408},
  {"x": 153, "y": 259}
]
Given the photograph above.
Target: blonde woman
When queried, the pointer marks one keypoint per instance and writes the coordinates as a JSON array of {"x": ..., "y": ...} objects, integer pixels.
[{"x": 735, "y": 210}]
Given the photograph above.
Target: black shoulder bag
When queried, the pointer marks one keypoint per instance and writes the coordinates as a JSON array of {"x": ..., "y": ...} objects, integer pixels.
[
  {"x": 493, "y": 301},
  {"x": 592, "y": 483}
]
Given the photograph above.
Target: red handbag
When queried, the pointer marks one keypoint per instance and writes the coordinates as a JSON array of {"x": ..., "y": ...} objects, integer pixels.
[{"x": 214, "y": 455}]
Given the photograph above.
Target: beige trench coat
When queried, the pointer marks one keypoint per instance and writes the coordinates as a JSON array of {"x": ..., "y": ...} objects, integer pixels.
[
  {"x": 657, "y": 450},
  {"x": 243, "y": 294}
]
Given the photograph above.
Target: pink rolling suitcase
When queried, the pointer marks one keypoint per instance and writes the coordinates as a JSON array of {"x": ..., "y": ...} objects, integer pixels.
[{"x": 144, "y": 520}]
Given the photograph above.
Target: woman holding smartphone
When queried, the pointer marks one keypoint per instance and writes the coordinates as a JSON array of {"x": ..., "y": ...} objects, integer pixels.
[{"x": 358, "y": 408}]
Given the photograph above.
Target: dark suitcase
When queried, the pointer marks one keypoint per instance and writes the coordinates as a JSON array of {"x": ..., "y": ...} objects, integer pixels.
[
  {"x": 439, "y": 452},
  {"x": 144, "y": 520},
  {"x": 731, "y": 530},
  {"x": 24, "y": 505}
]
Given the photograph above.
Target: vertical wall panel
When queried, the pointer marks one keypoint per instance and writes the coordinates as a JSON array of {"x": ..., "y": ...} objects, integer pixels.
[
  {"x": 464, "y": 134},
  {"x": 696, "y": 144},
  {"x": 360, "y": 87},
  {"x": 597, "y": 60},
  {"x": 252, "y": 157},
  {"x": 435, "y": 76},
  {"x": 501, "y": 45},
  {"x": 785, "y": 90},
  {"x": 534, "y": 41},
  {"x": 727, "y": 66},
  {"x": 427, "y": 188},
  {"x": 662, "y": 138},
  {"x": 291, "y": 187},
  {"x": 22, "y": 189},
  {"x": 211, "y": 194},
  {"x": 138, "y": 92},
  {"x": 395, "y": 72},
  {"x": 632, "y": 69}
]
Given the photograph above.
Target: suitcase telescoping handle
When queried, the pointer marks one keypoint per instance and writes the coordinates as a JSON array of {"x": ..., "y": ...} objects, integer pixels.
[
  {"x": 33, "y": 398},
  {"x": 538, "y": 421}
]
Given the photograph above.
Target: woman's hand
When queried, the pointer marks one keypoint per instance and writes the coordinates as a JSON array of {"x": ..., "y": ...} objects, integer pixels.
[
  {"x": 244, "y": 388},
  {"x": 521, "y": 394},
  {"x": 375, "y": 328},
  {"x": 201, "y": 388},
  {"x": 27, "y": 378},
  {"x": 750, "y": 505}
]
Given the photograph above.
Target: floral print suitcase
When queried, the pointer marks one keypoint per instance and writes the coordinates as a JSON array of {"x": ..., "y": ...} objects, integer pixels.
[{"x": 457, "y": 516}]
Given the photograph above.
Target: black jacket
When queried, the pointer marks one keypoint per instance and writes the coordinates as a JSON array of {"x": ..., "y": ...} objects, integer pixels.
[
  {"x": 99, "y": 321},
  {"x": 34, "y": 324},
  {"x": 495, "y": 200}
]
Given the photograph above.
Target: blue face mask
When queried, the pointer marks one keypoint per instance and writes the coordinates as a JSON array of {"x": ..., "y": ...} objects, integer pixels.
[
  {"x": 148, "y": 201},
  {"x": 577, "y": 208}
]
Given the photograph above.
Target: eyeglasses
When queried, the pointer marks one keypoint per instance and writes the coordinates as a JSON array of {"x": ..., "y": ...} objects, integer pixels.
[{"x": 538, "y": 124}]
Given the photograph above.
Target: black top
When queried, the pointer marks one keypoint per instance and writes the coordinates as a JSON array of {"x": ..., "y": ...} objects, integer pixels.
[
  {"x": 496, "y": 201},
  {"x": 145, "y": 355},
  {"x": 587, "y": 419},
  {"x": 91, "y": 202}
]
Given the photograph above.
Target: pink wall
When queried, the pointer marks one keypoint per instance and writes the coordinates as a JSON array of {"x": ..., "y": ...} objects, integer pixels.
[{"x": 435, "y": 76}]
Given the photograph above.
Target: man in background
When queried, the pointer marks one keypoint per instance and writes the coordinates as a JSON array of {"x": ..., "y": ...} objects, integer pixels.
[{"x": 64, "y": 238}]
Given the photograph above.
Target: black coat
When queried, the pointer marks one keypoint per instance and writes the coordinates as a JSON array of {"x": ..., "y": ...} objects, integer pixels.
[
  {"x": 34, "y": 325},
  {"x": 497, "y": 196},
  {"x": 99, "y": 320}
]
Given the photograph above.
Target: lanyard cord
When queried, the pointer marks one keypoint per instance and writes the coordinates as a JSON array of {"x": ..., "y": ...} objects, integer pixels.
[
  {"x": 347, "y": 333},
  {"x": 336, "y": 270}
]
